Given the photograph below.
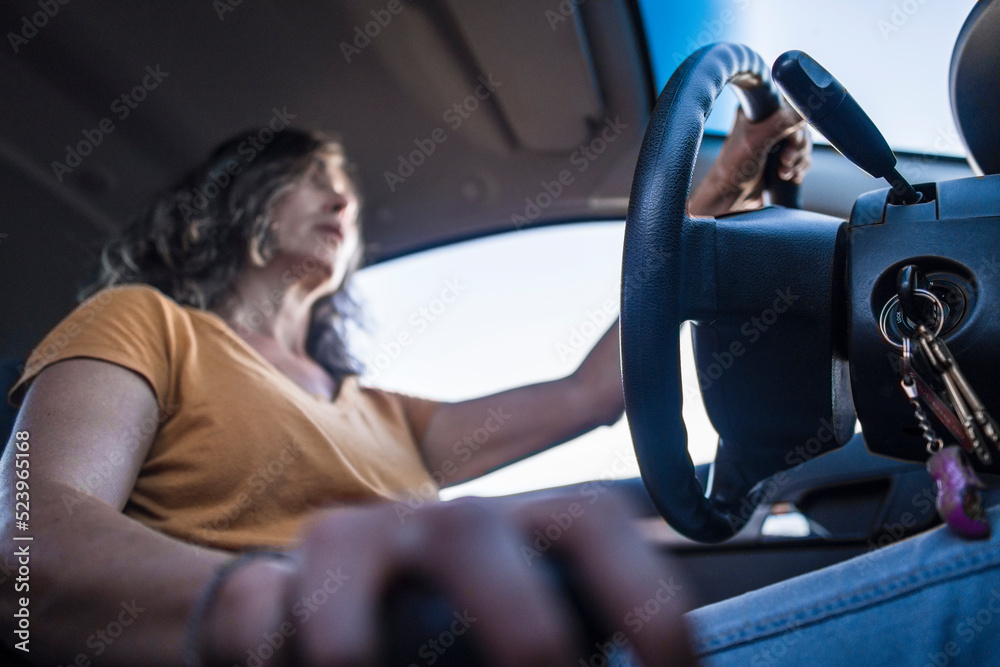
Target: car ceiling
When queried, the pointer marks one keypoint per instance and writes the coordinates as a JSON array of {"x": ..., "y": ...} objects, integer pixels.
[
  {"x": 229, "y": 71},
  {"x": 562, "y": 72},
  {"x": 226, "y": 66}
]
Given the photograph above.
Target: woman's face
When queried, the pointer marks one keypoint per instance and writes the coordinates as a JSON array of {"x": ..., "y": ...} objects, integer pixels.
[{"x": 316, "y": 225}]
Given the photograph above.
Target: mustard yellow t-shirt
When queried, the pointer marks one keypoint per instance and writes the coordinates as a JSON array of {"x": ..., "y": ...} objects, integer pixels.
[{"x": 241, "y": 453}]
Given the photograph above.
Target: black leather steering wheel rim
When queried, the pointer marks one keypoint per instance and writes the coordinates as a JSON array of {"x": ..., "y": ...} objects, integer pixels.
[{"x": 664, "y": 250}]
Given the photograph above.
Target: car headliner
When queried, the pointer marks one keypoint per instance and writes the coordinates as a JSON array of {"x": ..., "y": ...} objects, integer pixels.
[{"x": 383, "y": 75}]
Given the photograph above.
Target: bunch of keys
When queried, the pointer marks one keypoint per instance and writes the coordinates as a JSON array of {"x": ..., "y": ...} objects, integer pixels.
[{"x": 959, "y": 500}]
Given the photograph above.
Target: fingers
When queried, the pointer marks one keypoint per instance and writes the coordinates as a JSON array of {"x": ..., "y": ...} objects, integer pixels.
[
  {"x": 515, "y": 612},
  {"x": 333, "y": 600},
  {"x": 783, "y": 123},
  {"x": 762, "y": 137},
  {"x": 796, "y": 158},
  {"x": 466, "y": 550},
  {"x": 630, "y": 584},
  {"x": 488, "y": 559},
  {"x": 750, "y": 143}
]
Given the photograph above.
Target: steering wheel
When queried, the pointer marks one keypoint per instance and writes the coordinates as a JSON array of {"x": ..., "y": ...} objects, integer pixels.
[{"x": 778, "y": 389}]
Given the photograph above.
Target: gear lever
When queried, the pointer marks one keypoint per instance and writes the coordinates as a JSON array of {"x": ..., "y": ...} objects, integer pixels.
[{"x": 826, "y": 104}]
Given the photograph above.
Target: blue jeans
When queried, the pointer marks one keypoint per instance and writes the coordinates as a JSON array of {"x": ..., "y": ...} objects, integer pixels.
[{"x": 930, "y": 600}]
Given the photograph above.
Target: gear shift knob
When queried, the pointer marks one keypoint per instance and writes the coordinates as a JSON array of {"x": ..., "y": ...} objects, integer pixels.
[{"x": 827, "y": 106}]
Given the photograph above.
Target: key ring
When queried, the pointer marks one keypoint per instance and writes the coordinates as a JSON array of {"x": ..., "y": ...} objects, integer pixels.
[{"x": 883, "y": 320}]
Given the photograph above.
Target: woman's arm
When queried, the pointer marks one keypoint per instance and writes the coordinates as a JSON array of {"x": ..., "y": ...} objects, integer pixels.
[
  {"x": 527, "y": 420},
  {"x": 106, "y": 590},
  {"x": 101, "y": 585}
]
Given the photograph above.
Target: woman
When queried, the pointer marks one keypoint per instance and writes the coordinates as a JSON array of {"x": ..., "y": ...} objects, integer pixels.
[{"x": 203, "y": 403}]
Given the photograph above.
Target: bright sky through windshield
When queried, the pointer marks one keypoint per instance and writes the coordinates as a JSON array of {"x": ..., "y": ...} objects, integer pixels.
[{"x": 893, "y": 56}]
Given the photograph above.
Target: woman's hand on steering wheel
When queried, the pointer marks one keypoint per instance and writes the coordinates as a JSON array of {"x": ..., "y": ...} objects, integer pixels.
[{"x": 736, "y": 180}]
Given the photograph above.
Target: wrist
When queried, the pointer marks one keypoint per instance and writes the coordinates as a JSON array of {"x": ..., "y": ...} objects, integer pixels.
[{"x": 246, "y": 610}]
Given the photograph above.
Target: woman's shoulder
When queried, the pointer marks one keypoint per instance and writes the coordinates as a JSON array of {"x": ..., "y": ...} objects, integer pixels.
[
  {"x": 135, "y": 326},
  {"x": 133, "y": 293},
  {"x": 129, "y": 302}
]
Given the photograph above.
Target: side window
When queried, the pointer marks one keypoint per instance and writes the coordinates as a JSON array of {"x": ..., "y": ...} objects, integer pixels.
[{"x": 483, "y": 316}]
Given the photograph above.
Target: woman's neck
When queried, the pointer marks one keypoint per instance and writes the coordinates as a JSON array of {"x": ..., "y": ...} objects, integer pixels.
[{"x": 263, "y": 305}]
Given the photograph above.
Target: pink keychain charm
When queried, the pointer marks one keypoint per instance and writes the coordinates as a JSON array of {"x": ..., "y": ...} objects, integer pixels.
[{"x": 959, "y": 497}]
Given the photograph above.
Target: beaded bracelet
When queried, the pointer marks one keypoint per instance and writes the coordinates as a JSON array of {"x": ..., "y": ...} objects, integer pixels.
[{"x": 207, "y": 596}]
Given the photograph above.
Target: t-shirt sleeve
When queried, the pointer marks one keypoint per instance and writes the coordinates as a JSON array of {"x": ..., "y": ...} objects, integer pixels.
[
  {"x": 130, "y": 326},
  {"x": 418, "y": 411}
]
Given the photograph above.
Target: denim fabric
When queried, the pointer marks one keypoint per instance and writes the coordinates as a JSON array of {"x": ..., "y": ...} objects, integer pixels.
[{"x": 931, "y": 600}]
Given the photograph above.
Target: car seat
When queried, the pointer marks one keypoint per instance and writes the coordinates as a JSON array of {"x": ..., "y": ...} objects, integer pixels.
[
  {"x": 974, "y": 86},
  {"x": 9, "y": 372}
]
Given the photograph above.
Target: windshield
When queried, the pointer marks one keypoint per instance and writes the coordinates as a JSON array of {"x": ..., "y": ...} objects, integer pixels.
[{"x": 892, "y": 56}]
